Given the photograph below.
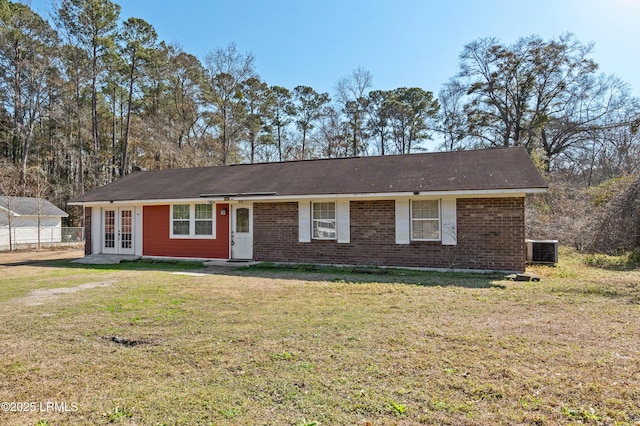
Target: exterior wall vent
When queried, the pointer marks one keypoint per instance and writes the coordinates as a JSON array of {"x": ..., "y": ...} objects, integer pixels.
[{"x": 542, "y": 252}]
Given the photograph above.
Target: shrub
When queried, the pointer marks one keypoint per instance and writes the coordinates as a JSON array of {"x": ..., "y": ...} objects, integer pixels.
[{"x": 600, "y": 219}]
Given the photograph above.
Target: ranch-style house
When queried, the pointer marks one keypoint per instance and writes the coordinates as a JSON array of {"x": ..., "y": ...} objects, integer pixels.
[{"x": 448, "y": 210}]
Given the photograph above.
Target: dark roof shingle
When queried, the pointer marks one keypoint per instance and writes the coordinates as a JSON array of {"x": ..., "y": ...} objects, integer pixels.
[{"x": 489, "y": 169}]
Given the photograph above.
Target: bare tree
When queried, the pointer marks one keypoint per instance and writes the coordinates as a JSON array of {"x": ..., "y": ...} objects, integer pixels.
[
  {"x": 351, "y": 93},
  {"x": 597, "y": 104},
  {"x": 616, "y": 223},
  {"x": 9, "y": 189},
  {"x": 39, "y": 189},
  {"x": 227, "y": 69},
  {"x": 176, "y": 128},
  {"x": 333, "y": 135},
  {"x": 452, "y": 119},
  {"x": 27, "y": 44}
]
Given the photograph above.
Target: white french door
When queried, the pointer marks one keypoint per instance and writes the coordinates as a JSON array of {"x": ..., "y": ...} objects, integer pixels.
[{"x": 117, "y": 237}]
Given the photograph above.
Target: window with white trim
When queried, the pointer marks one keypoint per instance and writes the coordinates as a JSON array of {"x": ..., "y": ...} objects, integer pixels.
[
  {"x": 425, "y": 220},
  {"x": 192, "y": 221},
  {"x": 323, "y": 218},
  {"x": 180, "y": 219},
  {"x": 204, "y": 219}
]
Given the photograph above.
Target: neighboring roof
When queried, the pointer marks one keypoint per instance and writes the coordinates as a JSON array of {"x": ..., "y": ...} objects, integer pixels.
[
  {"x": 29, "y": 206},
  {"x": 488, "y": 169}
]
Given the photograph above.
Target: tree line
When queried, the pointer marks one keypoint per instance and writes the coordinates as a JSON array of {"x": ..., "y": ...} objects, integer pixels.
[{"x": 87, "y": 96}]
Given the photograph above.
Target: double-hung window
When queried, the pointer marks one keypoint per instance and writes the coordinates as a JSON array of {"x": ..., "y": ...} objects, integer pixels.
[
  {"x": 180, "y": 219},
  {"x": 425, "y": 220},
  {"x": 324, "y": 221},
  {"x": 204, "y": 219},
  {"x": 192, "y": 221}
]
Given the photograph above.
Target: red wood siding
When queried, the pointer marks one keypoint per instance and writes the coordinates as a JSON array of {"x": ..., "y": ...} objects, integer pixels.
[{"x": 156, "y": 241}]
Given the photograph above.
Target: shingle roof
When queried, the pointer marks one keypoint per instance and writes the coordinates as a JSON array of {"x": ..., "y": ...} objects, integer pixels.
[
  {"x": 489, "y": 169},
  {"x": 29, "y": 206}
]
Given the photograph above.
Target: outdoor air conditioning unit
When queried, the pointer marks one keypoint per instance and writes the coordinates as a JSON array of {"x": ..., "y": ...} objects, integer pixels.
[{"x": 542, "y": 251}]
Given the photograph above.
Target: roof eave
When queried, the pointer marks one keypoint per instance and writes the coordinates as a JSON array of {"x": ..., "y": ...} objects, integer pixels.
[
  {"x": 269, "y": 197},
  {"x": 63, "y": 214}
]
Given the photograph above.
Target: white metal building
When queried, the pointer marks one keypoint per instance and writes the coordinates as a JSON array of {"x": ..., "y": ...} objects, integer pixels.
[{"x": 29, "y": 221}]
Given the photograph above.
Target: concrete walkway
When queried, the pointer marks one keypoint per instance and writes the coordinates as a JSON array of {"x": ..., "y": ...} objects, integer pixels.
[
  {"x": 214, "y": 265},
  {"x": 229, "y": 263},
  {"x": 219, "y": 266},
  {"x": 105, "y": 259}
]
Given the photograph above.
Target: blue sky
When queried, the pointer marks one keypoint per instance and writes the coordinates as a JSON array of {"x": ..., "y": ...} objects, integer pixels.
[{"x": 412, "y": 43}]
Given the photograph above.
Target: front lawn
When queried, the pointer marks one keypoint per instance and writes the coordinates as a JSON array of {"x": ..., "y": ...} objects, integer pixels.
[{"x": 265, "y": 346}]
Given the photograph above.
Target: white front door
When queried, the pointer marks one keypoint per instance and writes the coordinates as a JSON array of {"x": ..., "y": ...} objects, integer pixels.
[
  {"x": 242, "y": 232},
  {"x": 117, "y": 226}
]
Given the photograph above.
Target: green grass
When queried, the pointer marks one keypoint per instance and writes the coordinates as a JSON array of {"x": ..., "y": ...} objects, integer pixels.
[
  {"x": 281, "y": 346},
  {"x": 625, "y": 261},
  {"x": 50, "y": 274},
  {"x": 372, "y": 274},
  {"x": 140, "y": 265}
]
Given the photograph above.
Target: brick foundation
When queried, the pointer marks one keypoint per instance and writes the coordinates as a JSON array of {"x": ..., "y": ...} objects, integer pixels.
[{"x": 490, "y": 237}]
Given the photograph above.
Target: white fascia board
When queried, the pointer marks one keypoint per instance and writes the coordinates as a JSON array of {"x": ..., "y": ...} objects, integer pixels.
[
  {"x": 146, "y": 202},
  {"x": 367, "y": 196},
  {"x": 395, "y": 195},
  {"x": 14, "y": 214},
  {"x": 42, "y": 216}
]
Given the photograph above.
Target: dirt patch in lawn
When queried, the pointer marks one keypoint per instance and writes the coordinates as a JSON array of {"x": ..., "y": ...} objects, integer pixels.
[
  {"x": 331, "y": 348},
  {"x": 41, "y": 296},
  {"x": 27, "y": 257}
]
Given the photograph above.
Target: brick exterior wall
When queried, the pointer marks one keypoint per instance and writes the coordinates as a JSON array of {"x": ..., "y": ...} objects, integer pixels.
[
  {"x": 490, "y": 236},
  {"x": 491, "y": 233},
  {"x": 87, "y": 231}
]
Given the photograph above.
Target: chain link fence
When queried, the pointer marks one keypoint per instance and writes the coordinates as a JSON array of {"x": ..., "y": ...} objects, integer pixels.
[{"x": 28, "y": 237}]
